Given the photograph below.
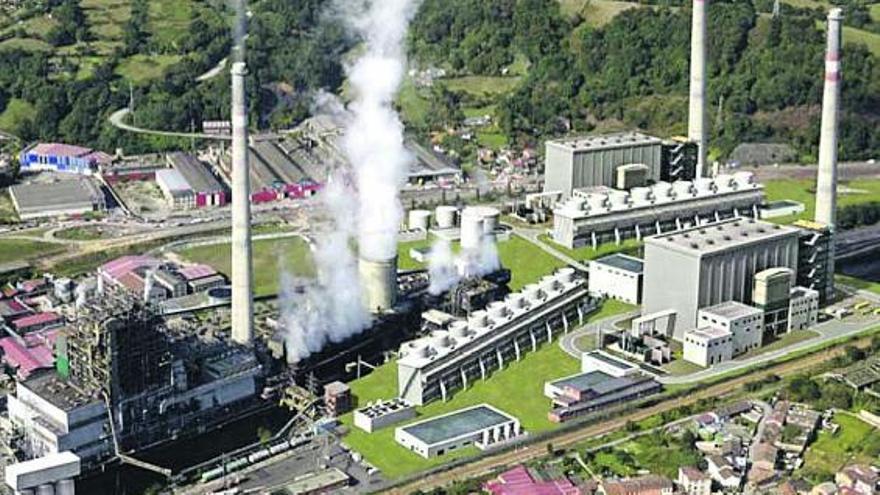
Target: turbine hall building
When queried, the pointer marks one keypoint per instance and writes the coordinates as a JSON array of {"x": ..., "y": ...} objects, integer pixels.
[
  {"x": 601, "y": 214},
  {"x": 702, "y": 266},
  {"x": 432, "y": 367}
]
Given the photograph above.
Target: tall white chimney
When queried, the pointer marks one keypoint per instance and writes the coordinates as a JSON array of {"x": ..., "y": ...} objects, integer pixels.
[
  {"x": 826, "y": 182},
  {"x": 697, "y": 131},
  {"x": 242, "y": 264}
]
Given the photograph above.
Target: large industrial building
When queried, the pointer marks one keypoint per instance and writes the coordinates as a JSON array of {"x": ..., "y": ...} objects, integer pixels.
[
  {"x": 482, "y": 426},
  {"x": 188, "y": 183},
  {"x": 158, "y": 386},
  {"x": 617, "y": 276},
  {"x": 711, "y": 264},
  {"x": 433, "y": 367},
  {"x": 600, "y": 214},
  {"x": 71, "y": 197},
  {"x": 58, "y": 157}
]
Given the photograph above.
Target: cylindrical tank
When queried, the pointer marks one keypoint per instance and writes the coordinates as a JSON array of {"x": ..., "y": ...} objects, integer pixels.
[
  {"x": 471, "y": 228},
  {"x": 662, "y": 190},
  {"x": 419, "y": 219},
  {"x": 490, "y": 219},
  {"x": 725, "y": 182},
  {"x": 46, "y": 489},
  {"x": 745, "y": 178},
  {"x": 704, "y": 186},
  {"x": 515, "y": 301},
  {"x": 578, "y": 204},
  {"x": 619, "y": 199},
  {"x": 478, "y": 319},
  {"x": 532, "y": 292},
  {"x": 549, "y": 284},
  {"x": 25, "y": 492},
  {"x": 419, "y": 350},
  {"x": 379, "y": 283},
  {"x": 565, "y": 275},
  {"x": 445, "y": 216},
  {"x": 65, "y": 487}
]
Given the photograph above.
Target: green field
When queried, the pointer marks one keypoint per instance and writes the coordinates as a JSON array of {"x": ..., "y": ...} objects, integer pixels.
[
  {"x": 857, "y": 283},
  {"x": 81, "y": 234},
  {"x": 628, "y": 246},
  {"x": 784, "y": 341},
  {"x": 802, "y": 190},
  {"x": 413, "y": 106},
  {"x": 481, "y": 85},
  {"x": 680, "y": 367},
  {"x": 169, "y": 21},
  {"x": 855, "y": 442},
  {"x": 12, "y": 250},
  {"x": 596, "y": 13},
  {"x": 270, "y": 258},
  {"x": 145, "y": 68},
  {"x": 518, "y": 390}
]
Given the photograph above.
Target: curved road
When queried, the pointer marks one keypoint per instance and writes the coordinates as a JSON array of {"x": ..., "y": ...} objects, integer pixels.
[{"x": 117, "y": 119}]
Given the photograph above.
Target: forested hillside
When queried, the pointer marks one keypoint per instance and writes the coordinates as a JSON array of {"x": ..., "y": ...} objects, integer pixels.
[{"x": 765, "y": 72}]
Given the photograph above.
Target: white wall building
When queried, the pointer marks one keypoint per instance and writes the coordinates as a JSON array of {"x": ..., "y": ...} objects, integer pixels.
[
  {"x": 481, "y": 425},
  {"x": 803, "y": 309},
  {"x": 744, "y": 322},
  {"x": 617, "y": 276},
  {"x": 694, "y": 482},
  {"x": 382, "y": 414},
  {"x": 708, "y": 346}
]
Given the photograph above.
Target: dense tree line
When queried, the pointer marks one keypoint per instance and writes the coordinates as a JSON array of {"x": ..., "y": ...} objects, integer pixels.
[
  {"x": 860, "y": 215},
  {"x": 765, "y": 77},
  {"x": 71, "y": 24}
]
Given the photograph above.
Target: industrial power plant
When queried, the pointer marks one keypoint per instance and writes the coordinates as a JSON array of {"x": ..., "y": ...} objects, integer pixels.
[{"x": 118, "y": 368}]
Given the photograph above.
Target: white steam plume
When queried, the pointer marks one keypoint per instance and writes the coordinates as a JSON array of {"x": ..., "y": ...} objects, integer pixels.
[
  {"x": 373, "y": 142},
  {"x": 446, "y": 269},
  {"x": 330, "y": 309}
]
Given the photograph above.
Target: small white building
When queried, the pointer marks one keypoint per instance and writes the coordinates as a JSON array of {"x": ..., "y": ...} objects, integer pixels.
[
  {"x": 617, "y": 276},
  {"x": 693, "y": 481},
  {"x": 592, "y": 361},
  {"x": 53, "y": 473},
  {"x": 482, "y": 426},
  {"x": 745, "y": 323},
  {"x": 383, "y": 413},
  {"x": 707, "y": 346},
  {"x": 803, "y": 308}
]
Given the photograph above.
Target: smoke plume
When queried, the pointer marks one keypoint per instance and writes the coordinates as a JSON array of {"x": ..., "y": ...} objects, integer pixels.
[
  {"x": 447, "y": 269},
  {"x": 366, "y": 204}
]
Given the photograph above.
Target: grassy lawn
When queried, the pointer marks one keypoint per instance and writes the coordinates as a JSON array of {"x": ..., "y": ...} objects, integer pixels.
[
  {"x": 628, "y": 246},
  {"x": 855, "y": 442},
  {"x": 22, "y": 250},
  {"x": 596, "y": 13},
  {"x": 857, "y": 283},
  {"x": 106, "y": 17},
  {"x": 856, "y": 192},
  {"x": 681, "y": 367},
  {"x": 17, "y": 111},
  {"x": 782, "y": 342},
  {"x": 856, "y": 36},
  {"x": 144, "y": 68},
  {"x": 81, "y": 234},
  {"x": 481, "y": 85},
  {"x": 517, "y": 389},
  {"x": 493, "y": 140},
  {"x": 169, "y": 21},
  {"x": 270, "y": 257},
  {"x": 413, "y": 105}
]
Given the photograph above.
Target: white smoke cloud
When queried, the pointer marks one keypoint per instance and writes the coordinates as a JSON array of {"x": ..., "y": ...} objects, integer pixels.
[
  {"x": 331, "y": 309},
  {"x": 327, "y": 308},
  {"x": 447, "y": 269}
]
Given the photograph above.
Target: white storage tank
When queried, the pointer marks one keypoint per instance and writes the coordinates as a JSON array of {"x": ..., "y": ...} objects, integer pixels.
[
  {"x": 445, "y": 216},
  {"x": 683, "y": 188},
  {"x": 440, "y": 339},
  {"x": 471, "y": 228},
  {"x": 419, "y": 219},
  {"x": 663, "y": 190},
  {"x": 46, "y": 489},
  {"x": 498, "y": 310},
  {"x": 532, "y": 292},
  {"x": 419, "y": 350},
  {"x": 745, "y": 178},
  {"x": 619, "y": 199},
  {"x": 65, "y": 487},
  {"x": 598, "y": 201},
  {"x": 515, "y": 301},
  {"x": 491, "y": 217},
  {"x": 725, "y": 182},
  {"x": 704, "y": 186}
]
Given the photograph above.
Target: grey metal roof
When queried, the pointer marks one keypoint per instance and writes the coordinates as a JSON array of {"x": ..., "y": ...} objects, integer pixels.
[
  {"x": 195, "y": 172},
  {"x": 622, "y": 262},
  {"x": 604, "y": 141},
  {"x": 457, "y": 424},
  {"x": 720, "y": 236},
  {"x": 173, "y": 180},
  {"x": 51, "y": 195}
]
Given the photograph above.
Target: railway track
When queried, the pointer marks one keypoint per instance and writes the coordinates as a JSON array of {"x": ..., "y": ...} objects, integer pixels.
[{"x": 488, "y": 464}]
